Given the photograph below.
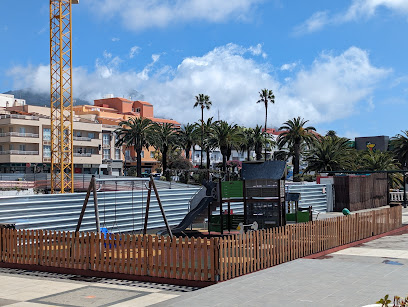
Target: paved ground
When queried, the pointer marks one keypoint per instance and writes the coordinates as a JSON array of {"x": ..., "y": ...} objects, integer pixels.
[
  {"x": 25, "y": 288},
  {"x": 356, "y": 276}
]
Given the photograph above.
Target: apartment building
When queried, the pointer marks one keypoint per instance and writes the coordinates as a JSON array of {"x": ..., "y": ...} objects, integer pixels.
[
  {"x": 110, "y": 111},
  {"x": 25, "y": 143},
  {"x": 7, "y": 100}
]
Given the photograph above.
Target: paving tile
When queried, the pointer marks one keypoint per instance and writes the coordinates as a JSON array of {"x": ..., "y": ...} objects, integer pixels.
[{"x": 5, "y": 302}]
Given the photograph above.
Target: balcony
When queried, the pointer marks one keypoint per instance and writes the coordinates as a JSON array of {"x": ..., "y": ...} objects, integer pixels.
[
  {"x": 27, "y": 135},
  {"x": 82, "y": 138},
  {"x": 77, "y": 154},
  {"x": 16, "y": 116},
  {"x": 19, "y": 152}
]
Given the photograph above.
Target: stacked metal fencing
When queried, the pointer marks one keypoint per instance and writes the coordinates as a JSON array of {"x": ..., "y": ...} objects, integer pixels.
[{"x": 120, "y": 211}]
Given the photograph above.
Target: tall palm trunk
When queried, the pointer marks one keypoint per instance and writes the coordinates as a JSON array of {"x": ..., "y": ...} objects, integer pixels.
[
  {"x": 266, "y": 120},
  {"x": 164, "y": 158},
  {"x": 202, "y": 134},
  {"x": 187, "y": 153},
  {"x": 138, "y": 162},
  {"x": 248, "y": 154},
  {"x": 224, "y": 163},
  {"x": 208, "y": 157},
  {"x": 296, "y": 161}
]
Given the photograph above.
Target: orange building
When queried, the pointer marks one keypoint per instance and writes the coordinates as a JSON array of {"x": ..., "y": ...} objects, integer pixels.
[{"x": 111, "y": 111}]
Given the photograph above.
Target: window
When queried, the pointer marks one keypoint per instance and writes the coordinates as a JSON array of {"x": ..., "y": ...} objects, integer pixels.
[
  {"x": 197, "y": 155},
  {"x": 11, "y": 146},
  {"x": 117, "y": 154},
  {"x": 127, "y": 154},
  {"x": 106, "y": 139},
  {"x": 137, "y": 110},
  {"x": 106, "y": 154},
  {"x": 22, "y": 147},
  {"x": 91, "y": 135},
  {"x": 22, "y": 130},
  {"x": 78, "y": 134},
  {"x": 142, "y": 153},
  {"x": 47, "y": 134},
  {"x": 47, "y": 152},
  {"x": 152, "y": 154},
  {"x": 11, "y": 129}
]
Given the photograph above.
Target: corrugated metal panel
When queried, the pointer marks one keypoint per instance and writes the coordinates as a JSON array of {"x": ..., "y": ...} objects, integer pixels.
[
  {"x": 119, "y": 211},
  {"x": 314, "y": 195}
]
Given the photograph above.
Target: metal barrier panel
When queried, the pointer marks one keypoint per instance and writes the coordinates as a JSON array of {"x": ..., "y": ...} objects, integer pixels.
[{"x": 121, "y": 211}]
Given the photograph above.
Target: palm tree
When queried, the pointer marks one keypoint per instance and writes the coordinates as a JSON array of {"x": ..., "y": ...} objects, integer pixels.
[
  {"x": 136, "y": 132},
  {"x": 266, "y": 96},
  {"x": 226, "y": 137},
  {"x": 295, "y": 135},
  {"x": 187, "y": 138},
  {"x": 164, "y": 138},
  {"x": 330, "y": 153},
  {"x": 399, "y": 145},
  {"x": 208, "y": 141},
  {"x": 248, "y": 141},
  {"x": 260, "y": 141},
  {"x": 204, "y": 102}
]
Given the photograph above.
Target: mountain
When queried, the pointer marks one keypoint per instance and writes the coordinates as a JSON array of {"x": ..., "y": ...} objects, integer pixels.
[
  {"x": 43, "y": 99},
  {"x": 39, "y": 99}
]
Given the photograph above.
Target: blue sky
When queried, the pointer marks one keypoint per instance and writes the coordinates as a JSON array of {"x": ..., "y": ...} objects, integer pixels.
[{"x": 340, "y": 64}]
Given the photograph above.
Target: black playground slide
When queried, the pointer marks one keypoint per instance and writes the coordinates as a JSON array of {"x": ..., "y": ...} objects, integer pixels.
[{"x": 189, "y": 218}]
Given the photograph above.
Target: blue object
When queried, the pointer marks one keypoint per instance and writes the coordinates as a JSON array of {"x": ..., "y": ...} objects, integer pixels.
[{"x": 107, "y": 234}]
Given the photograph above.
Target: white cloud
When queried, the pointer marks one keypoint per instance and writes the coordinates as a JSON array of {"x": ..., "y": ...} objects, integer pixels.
[
  {"x": 332, "y": 87},
  {"x": 315, "y": 23},
  {"x": 115, "y": 39},
  {"x": 139, "y": 14},
  {"x": 289, "y": 66},
  {"x": 356, "y": 11},
  {"x": 133, "y": 51}
]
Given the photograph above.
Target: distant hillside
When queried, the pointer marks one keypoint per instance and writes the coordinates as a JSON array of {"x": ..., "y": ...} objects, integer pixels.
[{"x": 37, "y": 99}]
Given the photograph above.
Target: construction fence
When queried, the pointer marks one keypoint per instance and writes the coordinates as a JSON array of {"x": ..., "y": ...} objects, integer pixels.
[{"x": 205, "y": 260}]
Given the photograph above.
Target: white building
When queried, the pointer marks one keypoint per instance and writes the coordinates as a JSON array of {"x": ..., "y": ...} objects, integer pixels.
[{"x": 7, "y": 100}]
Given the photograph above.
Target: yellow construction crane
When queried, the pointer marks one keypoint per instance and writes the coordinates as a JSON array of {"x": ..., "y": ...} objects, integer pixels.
[{"x": 62, "y": 167}]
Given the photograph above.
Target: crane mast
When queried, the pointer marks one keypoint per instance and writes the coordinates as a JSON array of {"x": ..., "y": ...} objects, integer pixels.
[{"x": 62, "y": 167}]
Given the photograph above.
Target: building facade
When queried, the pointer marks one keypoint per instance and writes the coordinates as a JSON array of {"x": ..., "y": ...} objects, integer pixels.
[{"x": 109, "y": 112}]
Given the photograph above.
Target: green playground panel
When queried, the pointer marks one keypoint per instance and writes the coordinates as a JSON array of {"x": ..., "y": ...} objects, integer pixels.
[
  {"x": 215, "y": 222},
  {"x": 302, "y": 217},
  {"x": 231, "y": 189}
]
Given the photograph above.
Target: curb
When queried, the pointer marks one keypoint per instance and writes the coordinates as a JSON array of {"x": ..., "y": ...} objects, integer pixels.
[{"x": 352, "y": 244}]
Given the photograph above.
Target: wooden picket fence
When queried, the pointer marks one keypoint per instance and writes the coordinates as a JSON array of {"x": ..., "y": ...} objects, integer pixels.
[
  {"x": 242, "y": 254},
  {"x": 190, "y": 259},
  {"x": 180, "y": 258}
]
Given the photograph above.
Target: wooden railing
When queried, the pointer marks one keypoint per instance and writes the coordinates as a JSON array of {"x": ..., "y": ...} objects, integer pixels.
[
  {"x": 190, "y": 259},
  {"x": 265, "y": 248}
]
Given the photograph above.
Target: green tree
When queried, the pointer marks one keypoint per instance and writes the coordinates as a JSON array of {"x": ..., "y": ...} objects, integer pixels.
[
  {"x": 399, "y": 146},
  {"x": 266, "y": 96},
  {"x": 203, "y": 101},
  {"x": 226, "y": 137},
  {"x": 248, "y": 143},
  {"x": 187, "y": 138},
  {"x": 330, "y": 153},
  {"x": 136, "y": 132},
  {"x": 295, "y": 135},
  {"x": 164, "y": 138},
  {"x": 208, "y": 140},
  {"x": 261, "y": 139}
]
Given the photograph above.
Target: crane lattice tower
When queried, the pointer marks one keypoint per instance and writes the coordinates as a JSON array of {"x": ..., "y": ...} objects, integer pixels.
[{"x": 62, "y": 167}]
